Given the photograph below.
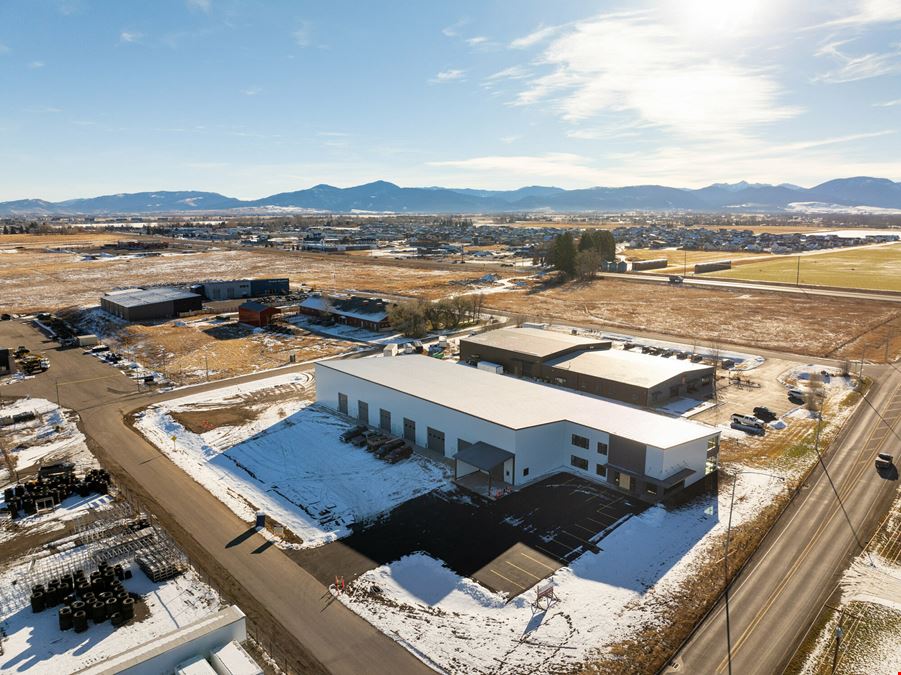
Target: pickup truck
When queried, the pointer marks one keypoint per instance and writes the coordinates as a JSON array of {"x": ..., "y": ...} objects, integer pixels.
[{"x": 884, "y": 461}]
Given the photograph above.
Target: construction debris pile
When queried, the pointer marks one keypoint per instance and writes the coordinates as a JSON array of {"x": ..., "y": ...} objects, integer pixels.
[
  {"x": 99, "y": 597},
  {"x": 52, "y": 485}
]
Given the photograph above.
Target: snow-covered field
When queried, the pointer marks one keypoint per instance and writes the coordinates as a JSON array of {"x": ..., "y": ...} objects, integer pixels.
[
  {"x": 458, "y": 626},
  {"x": 288, "y": 462},
  {"x": 35, "y": 644}
]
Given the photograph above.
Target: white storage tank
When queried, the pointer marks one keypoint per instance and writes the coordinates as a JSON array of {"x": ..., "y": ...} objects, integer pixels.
[{"x": 390, "y": 350}]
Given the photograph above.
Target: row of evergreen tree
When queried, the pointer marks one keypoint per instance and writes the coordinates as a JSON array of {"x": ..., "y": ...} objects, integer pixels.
[{"x": 583, "y": 259}]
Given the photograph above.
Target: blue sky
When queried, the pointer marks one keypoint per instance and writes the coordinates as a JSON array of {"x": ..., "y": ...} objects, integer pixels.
[{"x": 250, "y": 99}]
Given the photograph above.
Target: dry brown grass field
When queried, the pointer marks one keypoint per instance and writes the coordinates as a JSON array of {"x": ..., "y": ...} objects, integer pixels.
[
  {"x": 33, "y": 279},
  {"x": 679, "y": 259},
  {"x": 825, "y": 327}
]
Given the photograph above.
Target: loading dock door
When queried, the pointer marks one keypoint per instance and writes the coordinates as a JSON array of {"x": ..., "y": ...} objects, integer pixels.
[
  {"x": 363, "y": 412},
  {"x": 409, "y": 430},
  {"x": 435, "y": 440},
  {"x": 342, "y": 403},
  {"x": 384, "y": 420}
]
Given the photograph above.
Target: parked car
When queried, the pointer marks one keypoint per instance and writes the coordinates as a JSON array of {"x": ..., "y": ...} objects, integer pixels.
[
  {"x": 746, "y": 420},
  {"x": 796, "y": 396},
  {"x": 884, "y": 461},
  {"x": 696, "y": 358},
  {"x": 400, "y": 453},
  {"x": 764, "y": 414},
  {"x": 350, "y": 433},
  {"x": 5, "y": 317}
]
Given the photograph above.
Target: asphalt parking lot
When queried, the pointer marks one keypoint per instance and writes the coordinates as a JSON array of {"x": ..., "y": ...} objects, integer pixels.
[{"x": 508, "y": 545}]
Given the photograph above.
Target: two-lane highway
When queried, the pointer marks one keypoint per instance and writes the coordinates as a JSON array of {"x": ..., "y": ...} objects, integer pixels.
[{"x": 780, "y": 592}]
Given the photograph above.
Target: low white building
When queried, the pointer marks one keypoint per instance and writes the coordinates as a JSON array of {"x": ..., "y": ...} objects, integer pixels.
[{"x": 512, "y": 431}]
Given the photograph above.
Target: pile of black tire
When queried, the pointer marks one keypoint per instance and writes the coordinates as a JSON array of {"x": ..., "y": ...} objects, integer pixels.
[
  {"x": 98, "y": 598},
  {"x": 26, "y": 498}
]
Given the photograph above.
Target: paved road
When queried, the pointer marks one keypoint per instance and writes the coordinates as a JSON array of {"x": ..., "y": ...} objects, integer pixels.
[
  {"x": 755, "y": 286},
  {"x": 339, "y": 640},
  {"x": 781, "y": 591}
]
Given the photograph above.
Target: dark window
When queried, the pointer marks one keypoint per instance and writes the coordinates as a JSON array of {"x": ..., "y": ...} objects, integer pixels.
[
  {"x": 580, "y": 441},
  {"x": 525, "y": 472},
  {"x": 385, "y": 419},
  {"x": 578, "y": 462},
  {"x": 342, "y": 403},
  {"x": 601, "y": 470},
  {"x": 602, "y": 448},
  {"x": 363, "y": 412},
  {"x": 650, "y": 489}
]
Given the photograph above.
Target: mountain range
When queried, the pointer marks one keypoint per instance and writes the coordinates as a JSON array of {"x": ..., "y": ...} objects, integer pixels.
[{"x": 843, "y": 194}]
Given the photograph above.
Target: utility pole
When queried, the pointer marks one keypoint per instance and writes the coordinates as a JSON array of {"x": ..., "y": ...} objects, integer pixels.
[
  {"x": 798, "y": 274},
  {"x": 57, "y": 394},
  {"x": 838, "y": 640},
  {"x": 206, "y": 360}
]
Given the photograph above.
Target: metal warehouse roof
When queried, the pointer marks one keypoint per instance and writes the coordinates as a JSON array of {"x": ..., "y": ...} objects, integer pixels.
[
  {"x": 533, "y": 341},
  {"x": 367, "y": 309},
  {"x": 515, "y": 403},
  {"x": 135, "y": 297},
  {"x": 483, "y": 455},
  {"x": 641, "y": 370}
]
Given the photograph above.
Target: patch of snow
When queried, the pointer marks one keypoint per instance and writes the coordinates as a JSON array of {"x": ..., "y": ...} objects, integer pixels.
[
  {"x": 456, "y": 625},
  {"x": 295, "y": 469}
]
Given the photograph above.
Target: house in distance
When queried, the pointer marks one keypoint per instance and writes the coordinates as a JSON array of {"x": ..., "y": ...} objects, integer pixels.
[
  {"x": 352, "y": 310},
  {"x": 257, "y": 314}
]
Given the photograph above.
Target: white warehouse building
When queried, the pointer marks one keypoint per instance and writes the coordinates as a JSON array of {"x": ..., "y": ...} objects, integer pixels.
[{"x": 505, "y": 431}]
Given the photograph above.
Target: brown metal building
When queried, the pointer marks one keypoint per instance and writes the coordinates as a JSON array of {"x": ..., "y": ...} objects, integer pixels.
[{"x": 589, "y": 365}]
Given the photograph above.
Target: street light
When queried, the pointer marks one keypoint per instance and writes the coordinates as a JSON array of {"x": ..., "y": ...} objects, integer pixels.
[{"x": 726, "y": 558}]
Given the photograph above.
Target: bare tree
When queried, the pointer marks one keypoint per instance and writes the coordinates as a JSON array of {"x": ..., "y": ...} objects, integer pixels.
[{"x": 815, "y": 393}]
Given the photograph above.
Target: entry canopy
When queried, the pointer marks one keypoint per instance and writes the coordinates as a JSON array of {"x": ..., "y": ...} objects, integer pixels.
[{"x": 483, "y": 456}]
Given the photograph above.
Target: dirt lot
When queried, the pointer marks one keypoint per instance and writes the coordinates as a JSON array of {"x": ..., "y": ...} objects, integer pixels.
[
  {"x": 184, "y": 350},
  {"x": 33, "y": 279},
  {"x": 827, "y": 327}
]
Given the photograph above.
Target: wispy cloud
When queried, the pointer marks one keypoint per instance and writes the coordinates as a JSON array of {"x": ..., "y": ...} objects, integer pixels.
[
  {"x": 477, "y": 40},
  {"x": 129, "y": 36},
  {"x": 252, "y": 91},
  {"x": 450, "y": 75},
  {"x": 3, "y": 48},
  {"x": 868, "y": 12},
  {"x": 637, "y": 65},
  {"x": 537, "y": 36},
  {"x": 200, "y": 5},
  {"x": 454, "y": 29},
  {"x": 35, "y": 65},
  {"x": 303, "y": 35},
  {"x": 851, "y": 68},
  {"x": 888, "y": 104}
]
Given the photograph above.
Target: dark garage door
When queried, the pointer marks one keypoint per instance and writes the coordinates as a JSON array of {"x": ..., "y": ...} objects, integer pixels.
[
  {"x": 384, "y": 420},
  {"x": 409, "y": 430},
  {"x": 342, "y": 403},
  {"x": 363, "y": 412},
  {"x": 435, "y": 440}
]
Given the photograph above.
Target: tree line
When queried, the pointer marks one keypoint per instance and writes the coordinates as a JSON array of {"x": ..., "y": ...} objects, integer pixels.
[
  {"x": 578, "y": 260},
  {"x": 416, "y": 318}
]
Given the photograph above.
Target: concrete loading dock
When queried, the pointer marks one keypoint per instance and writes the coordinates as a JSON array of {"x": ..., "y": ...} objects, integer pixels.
[{"x": 449, "y": 407}]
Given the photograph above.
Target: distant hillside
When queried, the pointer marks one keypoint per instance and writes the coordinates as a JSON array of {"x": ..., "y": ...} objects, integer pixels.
[{"x": 384, "y": 197}]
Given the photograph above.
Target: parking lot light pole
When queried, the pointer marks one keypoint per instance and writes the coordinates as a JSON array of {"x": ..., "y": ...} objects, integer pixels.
[{"x": 726, "y": 558}]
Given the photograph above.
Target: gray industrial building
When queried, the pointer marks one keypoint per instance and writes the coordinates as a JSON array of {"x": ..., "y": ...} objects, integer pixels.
[
  {"x": 6, "y": 361},
  {"x": 589, "y": 365},
  {"x": 139, "y": 304},
  {"x": 233, "y": 289}
]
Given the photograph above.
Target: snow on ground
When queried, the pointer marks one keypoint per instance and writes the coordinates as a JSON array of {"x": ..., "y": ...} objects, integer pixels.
[
  {"x": 832, "y": 381},
  {"x": 350, "y": 333},
  {"x": 295, "y": 469},
  {"x": 456, "y": 625},
  {"x": 685, "y": 407},
  {"x": 52, "y": 437},
  {"x": 35, "y": 644}
]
